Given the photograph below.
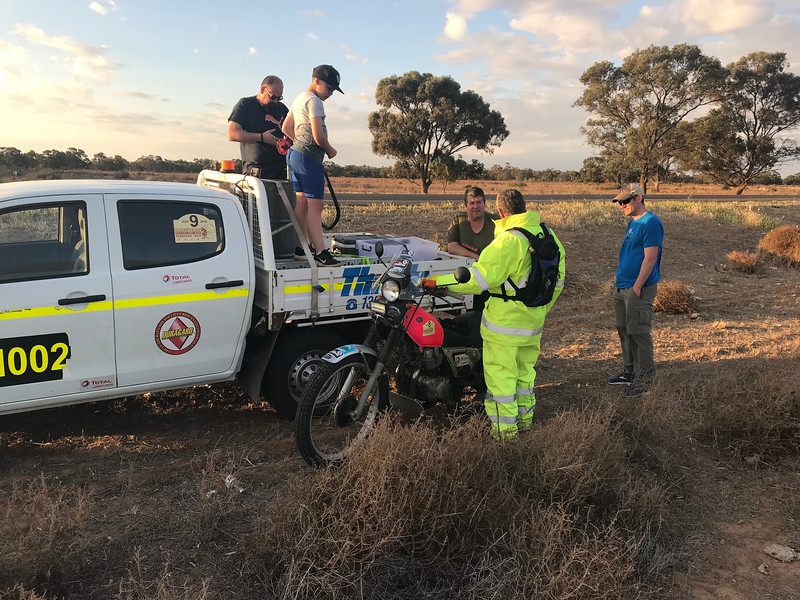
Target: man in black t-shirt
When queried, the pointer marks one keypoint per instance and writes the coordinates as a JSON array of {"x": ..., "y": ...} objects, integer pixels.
[{"x": 255, "y": 123}]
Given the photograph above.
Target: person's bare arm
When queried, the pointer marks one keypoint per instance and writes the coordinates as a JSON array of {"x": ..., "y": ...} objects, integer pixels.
[
  {"x": 650, "y": 257},
  {"x": 459, "y": 250},
  {"x": 237, "y": 134},
  {"x": 288, "y": 126},
  {"x": 320, "y": 139}
]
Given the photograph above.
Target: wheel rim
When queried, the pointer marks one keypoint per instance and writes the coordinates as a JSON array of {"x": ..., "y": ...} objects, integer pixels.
[
  {"x": 302, "y": 370},
  {"x": 332, "y": 442}
]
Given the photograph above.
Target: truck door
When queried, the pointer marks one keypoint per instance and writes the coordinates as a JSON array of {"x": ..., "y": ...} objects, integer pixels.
[
  {"x": 56, "y": 319},
  {"x": 182, "y": 274}
]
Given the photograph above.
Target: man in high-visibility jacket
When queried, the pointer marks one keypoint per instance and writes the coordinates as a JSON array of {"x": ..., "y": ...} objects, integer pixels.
[{"x": 510, "y": 330}]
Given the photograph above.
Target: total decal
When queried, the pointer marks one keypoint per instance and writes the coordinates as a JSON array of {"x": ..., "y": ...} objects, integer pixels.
[
  {"x": 177, "y": 333},
  {"x": 176, "y": 279},
  {"x": 98, "y": 384}
]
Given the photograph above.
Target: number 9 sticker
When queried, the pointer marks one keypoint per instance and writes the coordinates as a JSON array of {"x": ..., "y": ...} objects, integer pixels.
[{"x": 33, "y": 358}]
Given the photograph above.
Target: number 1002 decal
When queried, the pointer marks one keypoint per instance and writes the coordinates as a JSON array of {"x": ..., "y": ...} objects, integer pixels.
[{"x": 33, "y": 358}]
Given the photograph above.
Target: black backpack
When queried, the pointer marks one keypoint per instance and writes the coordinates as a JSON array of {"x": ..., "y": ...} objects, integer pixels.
[{"x": 545, "y": 259}]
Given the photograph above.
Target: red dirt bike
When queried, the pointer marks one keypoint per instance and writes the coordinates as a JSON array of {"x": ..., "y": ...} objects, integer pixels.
[{"x": 409, "y": 361}]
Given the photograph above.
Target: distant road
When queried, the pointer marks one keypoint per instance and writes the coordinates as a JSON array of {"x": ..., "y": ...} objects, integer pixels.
[{"x": 365, "y": 199}]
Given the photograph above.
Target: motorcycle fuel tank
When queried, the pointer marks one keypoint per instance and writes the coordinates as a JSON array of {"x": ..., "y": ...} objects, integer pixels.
[{"x": 423, "y": 328}]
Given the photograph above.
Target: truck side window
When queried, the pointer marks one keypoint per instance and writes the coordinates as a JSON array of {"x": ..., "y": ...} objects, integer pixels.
[
  {"x": 43, "y": 241},
  {"x": 157, "y": 233}
]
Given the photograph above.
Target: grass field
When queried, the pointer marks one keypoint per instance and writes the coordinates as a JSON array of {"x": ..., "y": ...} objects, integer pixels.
[{"x": 201, "y": 494}]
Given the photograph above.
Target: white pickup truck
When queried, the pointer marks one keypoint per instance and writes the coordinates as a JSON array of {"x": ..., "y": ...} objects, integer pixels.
[{"x": 117, "y": 288}]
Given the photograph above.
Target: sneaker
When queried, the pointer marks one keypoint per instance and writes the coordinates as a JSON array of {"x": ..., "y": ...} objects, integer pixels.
[
  {"x": 324, "y": 259},
  {"x": 632, "y": 391},
  {"x": 621, "y": 379},
  {"x": 300, "y": 255}
]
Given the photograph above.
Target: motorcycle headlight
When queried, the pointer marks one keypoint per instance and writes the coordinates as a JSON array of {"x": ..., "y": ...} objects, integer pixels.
[{"x": 390, "y": 290}]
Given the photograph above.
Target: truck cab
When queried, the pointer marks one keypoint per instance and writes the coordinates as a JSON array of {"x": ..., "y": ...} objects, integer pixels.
[
  {"x": 117, "y": 288},
  {"x": 112, "y": 286}
]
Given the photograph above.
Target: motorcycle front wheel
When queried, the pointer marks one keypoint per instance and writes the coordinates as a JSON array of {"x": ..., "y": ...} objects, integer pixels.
[{"x": 326, "y": 428}]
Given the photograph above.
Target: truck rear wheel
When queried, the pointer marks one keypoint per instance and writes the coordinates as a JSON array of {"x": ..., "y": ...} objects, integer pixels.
[{"x": 295, "y": 359}]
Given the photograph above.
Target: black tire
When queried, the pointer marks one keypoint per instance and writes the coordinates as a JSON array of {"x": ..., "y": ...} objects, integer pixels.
[
  {"x": 297, "y": 356},
  {"x": 324, "y": 433}
]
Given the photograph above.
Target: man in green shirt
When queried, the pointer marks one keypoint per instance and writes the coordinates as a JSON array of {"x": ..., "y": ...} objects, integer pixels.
[{"x": 471, "y": 231}]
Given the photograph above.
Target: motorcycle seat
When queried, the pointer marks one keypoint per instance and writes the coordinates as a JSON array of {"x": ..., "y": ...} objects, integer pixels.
[{"x": 463, "y": 330}]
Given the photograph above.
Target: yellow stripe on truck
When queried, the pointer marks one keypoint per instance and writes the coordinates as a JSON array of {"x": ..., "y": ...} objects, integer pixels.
[
  {"x": 156, "y": 300},
  {"x": 49, "y": 311}
]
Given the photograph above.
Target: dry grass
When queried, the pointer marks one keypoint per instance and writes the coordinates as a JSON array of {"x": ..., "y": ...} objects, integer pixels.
[
  {"x": 43, "y": 533},
  {"x": 782, "y": 245},
  {"x": 674, "y": 298},
  {"x": 604, "y": 498},
  {"x": 743, "y": 262},
  {"x": 415, "y": 514}
]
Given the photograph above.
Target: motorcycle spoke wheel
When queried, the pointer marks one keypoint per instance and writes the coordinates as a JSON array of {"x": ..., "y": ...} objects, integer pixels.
[{"x": 326, "y": 430}]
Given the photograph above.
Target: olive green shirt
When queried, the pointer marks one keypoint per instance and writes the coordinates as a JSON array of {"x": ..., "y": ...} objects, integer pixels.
[{"x": 461, "y": 232}]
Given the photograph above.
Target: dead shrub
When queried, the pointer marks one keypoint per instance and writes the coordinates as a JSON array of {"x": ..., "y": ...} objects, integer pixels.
[
  {"x": 749, "y": 408},
  {"x": 140, "y": 585},
  {"x": 420, "y": 514},
  {"x": 744, "y": 262},
  {"x": 43, "y": 535},
  {"x": 674, "y": 298},
  {"x": 20, "y": 593},
  {"x": 782, "y": 245}
]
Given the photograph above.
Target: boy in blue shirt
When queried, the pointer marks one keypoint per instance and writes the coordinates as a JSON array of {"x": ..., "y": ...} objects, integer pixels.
[{"x": 637, "y": 279}]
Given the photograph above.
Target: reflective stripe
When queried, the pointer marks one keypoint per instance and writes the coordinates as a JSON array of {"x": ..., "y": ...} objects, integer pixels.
[
  {"x": 560, "y": 283},
  {"x": 503, "y": 420},
  {"x": 498, "y": 399},
  {"x": 49, "y": 311},
  {"x": 510, "y": 330},
  {"x": 524, "y": 410},
  {"x": 156, "y": 300},
  {"x": 524, "y": 391},
  {"x": 479, "y": 278}
]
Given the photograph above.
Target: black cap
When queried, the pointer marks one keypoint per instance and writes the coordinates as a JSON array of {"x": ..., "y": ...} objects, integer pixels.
[{"x": 329, "y": 75}]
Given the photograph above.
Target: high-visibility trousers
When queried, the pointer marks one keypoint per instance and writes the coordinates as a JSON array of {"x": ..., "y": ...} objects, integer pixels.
[{"x": 510, "y": 372}]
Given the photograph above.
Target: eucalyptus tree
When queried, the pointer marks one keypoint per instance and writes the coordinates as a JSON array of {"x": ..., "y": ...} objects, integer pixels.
[
  {"x": 745, "y": 135},
  {"x": 424, "y": 120},
  {"x": 637, "y": 105}
]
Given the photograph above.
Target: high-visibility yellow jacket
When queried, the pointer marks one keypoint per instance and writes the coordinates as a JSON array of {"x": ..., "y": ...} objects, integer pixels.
[{"x": 510, "y": 323}]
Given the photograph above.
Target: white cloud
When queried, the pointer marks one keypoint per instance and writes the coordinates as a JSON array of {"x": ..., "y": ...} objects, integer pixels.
[
  {"x": 456, "y": 26},
  {"x": 313, "y": 13},
  {"x": 98, "y": 8},
  {"x": 86, "y": 61},
  {"x": 353, "y": 57},
  {"x": 721, "y": 16},
  {"x": 252, "y": 51},
  {"x": 312, "y": 38}
]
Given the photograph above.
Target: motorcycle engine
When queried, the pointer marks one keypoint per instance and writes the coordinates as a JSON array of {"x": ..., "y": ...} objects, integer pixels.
[{"x": 433, "y": 388}]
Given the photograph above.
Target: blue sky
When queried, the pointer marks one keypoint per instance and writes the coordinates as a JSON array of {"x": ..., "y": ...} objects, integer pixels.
[{"x": 141, "y": 77}]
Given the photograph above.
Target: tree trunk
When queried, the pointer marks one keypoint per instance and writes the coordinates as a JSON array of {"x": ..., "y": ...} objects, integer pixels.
[
  {"x": 425, "y": 185},
  {"x": 740, "y": 189}
]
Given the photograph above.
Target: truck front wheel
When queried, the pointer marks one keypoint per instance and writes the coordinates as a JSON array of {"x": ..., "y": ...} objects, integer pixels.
[{"x": 296, "y": 357}]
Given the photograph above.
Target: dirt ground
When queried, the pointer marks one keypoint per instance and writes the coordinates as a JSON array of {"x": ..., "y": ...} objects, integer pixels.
[{"x": 155, "y": 466}]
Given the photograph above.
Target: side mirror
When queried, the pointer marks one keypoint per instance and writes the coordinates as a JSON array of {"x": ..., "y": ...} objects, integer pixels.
[
  {"x": 379, "y": 249},
  {"x": 462, "y": 275}
]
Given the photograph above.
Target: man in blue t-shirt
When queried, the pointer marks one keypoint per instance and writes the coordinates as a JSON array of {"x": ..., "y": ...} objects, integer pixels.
[{"x": 636, "y": 286}]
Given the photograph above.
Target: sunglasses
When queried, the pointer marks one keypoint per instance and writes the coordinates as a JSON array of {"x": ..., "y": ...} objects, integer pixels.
[
  {"x": 278, "y": 98},
  {"x": 626, "y": 201}
]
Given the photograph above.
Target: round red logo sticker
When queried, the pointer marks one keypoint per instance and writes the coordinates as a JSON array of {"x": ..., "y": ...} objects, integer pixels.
[{"x": 177, "y": 333}]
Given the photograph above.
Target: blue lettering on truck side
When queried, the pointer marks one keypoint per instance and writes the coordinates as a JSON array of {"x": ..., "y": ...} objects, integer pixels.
[{"x": 358, "y": 281}]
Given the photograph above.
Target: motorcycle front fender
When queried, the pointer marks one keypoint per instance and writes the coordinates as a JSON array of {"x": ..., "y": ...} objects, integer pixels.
[{"x": 338, "y": 354}]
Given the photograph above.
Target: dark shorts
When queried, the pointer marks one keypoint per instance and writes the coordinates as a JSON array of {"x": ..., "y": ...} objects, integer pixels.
[{"x": 308, "y": 176}]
